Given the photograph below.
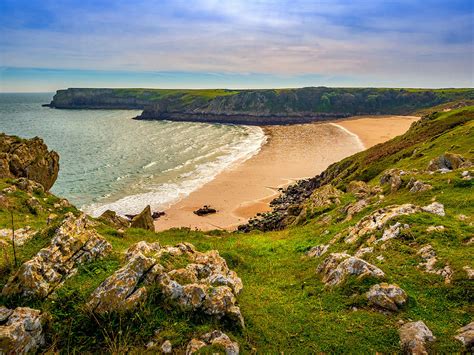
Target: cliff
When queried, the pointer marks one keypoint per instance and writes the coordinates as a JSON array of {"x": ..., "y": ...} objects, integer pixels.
[{"x": 279, "y": 106}]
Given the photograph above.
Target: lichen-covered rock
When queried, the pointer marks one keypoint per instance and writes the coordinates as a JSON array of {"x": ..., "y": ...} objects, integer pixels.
[
  {"x": 112, "y": 218},
  {"x": 22, "y": 235},
  {"x": 392, "y": 177},
  {"x": 391, "y": 232},
  {"x": 418, "y": 186},
  {"x": 430, "y": 260},
  {"x": 466, "y": 336},
  {"x": 187, "y": 279},
  {"x": 28, "y": 158},
  {"x": 361, "y": 190},
  {"x": 414, "y": 337},
  {"x": 377, "y": 220},
  {"x": 389, "y": 297},
  {"x": 21, "y": 330},
  {"x": 144, "y": 220},
  {"x": 215, "y": 337},
  {"x": 338, "y": 266},
  {"x": 317, "y": 250},
  {"x": 435, "y": 208},
  {"x": 73, "y": 244},
  {"x": 449, "y": 161}
]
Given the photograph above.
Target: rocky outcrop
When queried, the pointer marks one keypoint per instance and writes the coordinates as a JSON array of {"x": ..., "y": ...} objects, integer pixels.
[
  {"x": 338, "y": 266},
  {"x": 317, "y": 251},
  {"x": 388, "y": 297},
  {"x": 144, "y": 220},
  {"x": 393, "y": 178},
  {"x": 418, "y": 186},
  {"x": 28, "y": 158},
  {"x": 112, "y": 218},
  {"x": 391, "y": 232},
  {"x": 214, "y": 338},
  {"x": 73, "y": 244},
  {"x": 466, "y": 336},
  {"x": 415, "y": 338},
  {"x": 21, "y": 330},
  {"x": 187, "y": 279},
  {"x": 430, "y": 261},
  {"x": 449, "y": 161}
]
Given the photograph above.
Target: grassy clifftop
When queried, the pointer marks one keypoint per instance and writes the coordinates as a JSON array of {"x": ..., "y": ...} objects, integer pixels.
[{"x": 287, "y": 305}]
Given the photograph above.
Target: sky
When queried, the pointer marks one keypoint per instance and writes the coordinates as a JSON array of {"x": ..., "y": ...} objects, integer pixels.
[{"x": 47, "y": 45}]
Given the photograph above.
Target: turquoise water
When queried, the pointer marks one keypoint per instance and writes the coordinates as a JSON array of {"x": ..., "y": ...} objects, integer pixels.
[{"x": 108, "y": 160}]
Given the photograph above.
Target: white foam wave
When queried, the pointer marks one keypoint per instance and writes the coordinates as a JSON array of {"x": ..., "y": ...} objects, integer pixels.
[
  {"x": 360, "y": 144},
  {"x": 164, "y": 195}
]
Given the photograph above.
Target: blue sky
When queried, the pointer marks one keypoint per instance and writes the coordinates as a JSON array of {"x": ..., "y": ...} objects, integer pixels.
[{"x": 46, "y": 45}]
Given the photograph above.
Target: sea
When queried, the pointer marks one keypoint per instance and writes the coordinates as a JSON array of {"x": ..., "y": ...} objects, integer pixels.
[{"x": 110, "y": 161}]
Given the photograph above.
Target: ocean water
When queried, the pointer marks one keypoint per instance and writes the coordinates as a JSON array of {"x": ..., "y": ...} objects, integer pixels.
[{"x": 109, "y": 161}]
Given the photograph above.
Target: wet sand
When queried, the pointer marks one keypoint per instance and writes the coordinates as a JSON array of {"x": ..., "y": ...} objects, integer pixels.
[{"x": 290, "y": 153}]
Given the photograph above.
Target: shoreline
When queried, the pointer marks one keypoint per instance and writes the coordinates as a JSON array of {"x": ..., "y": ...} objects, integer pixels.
[{"x": 291, "y": 153}]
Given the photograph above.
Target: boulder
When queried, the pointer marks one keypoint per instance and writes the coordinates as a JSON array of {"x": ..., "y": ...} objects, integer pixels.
[
  {"x": 166, "y": 347},
  {"x": 317, "y": 250},
  {"x": 205, "y": 210},
  {"x": 188, "y": 280},
  {"x": 392, "y": 231},
  {"x": 73, "y": 244},
  {"x": 385, "y": 296},
  {"x": 214, "y": 338},
  {"x": 414, "y": 337},
  {"x": 449, "y": 161},
  {"x": 144, "y": 220},
  {"x": 359, "y": 189},
  {"x": 21, "y": 330},
  {"x": 435, "y": 208},
  {"x": 393, "y": 178},
  {"x": 338, "y": 266},
  {"x": 466, "y": 336},
  {"x": 418, "y": 186},
  {"x": 113, "y": 219},
  {"x": 28, "y": 158}
]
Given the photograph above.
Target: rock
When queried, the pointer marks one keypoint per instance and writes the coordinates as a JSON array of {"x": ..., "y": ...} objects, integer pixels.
[
  {"x": 34, "y": 205},
  {"x": 414, "y": 337},
  {"x": 22, "y": 235},
  {"x": 359, "y": 189},
  {"x": 429, "y": 262},
  {"x": 157, "y": 214},
  {"x": 205, "y": 210},
  {"x": 28, "y": 186},
  {"x": 28, "y": 158},
  {"x": 393, "y": 178},
  {"x": 389, "y": 297},
  {"x": 166, "y": 347},
  {"x": 325, "y": 196},
  {"x": 113, "y": 219},
  {"x": 73, "y": 244},
  {"x": 21, "y": 330},
  {"x": 435, "y": 208},
  {"x": 216, "y": 338},
  {"x": 51, "y": 218},
  {"x": 201, "y": 282},
  {"x": 469, "y": 272},
  {"x": 377, "y": 220},
  {"x": 338, "y": 266},
  {"x": 466, "y": 175},
  {"x": 317, "y": 250},
  {"x": 143, "y": 220},
  {"x": 392, "y": 232},
  {"x": 355, "y": 208},
  {"x": 362, "y": 251},
  {"x": 466, "y": 336},
  {"x": 419, "y": 186},
  {"x": 431, "y": 229},
  {"x": 449, "y": 161}
]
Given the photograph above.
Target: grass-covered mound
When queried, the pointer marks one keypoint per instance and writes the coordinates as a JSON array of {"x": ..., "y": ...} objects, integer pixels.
[{"x": 284, "y": 302}]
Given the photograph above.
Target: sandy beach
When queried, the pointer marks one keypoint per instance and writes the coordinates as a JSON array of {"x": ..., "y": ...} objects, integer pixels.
[{"x": 291, "y": 153}]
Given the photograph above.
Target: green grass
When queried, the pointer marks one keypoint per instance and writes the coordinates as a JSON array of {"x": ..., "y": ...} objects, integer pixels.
[{"x": 285, "y": 305}]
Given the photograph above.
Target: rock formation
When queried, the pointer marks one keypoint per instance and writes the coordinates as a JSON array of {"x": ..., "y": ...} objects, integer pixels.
[
  {"x": 144, "y": 220},
  {"x": 415, "y": 337},
  {"x": 28, "y": 158},
  {"x": 385, "y": 296},
  {"x": 466, "y": 336}
]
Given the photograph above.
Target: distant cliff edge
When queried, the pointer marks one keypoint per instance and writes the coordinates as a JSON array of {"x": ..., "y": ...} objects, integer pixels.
[{"x": 266, "y": 106}]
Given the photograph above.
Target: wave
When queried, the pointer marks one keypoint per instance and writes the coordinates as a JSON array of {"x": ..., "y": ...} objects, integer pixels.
[
  {"x": 164, "y": 195},
  {"x": 353, "y": 135}
]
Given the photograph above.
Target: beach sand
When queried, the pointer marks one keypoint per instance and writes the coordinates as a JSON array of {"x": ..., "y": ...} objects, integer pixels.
[{"x": 291, "y": 153}]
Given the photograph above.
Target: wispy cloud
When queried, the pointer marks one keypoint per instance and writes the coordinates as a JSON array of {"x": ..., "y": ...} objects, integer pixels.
[{"x": 417, "y": 42}]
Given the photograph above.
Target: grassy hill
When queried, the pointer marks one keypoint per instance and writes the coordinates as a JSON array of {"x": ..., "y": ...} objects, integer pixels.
[{"x": 285, "y": 304}]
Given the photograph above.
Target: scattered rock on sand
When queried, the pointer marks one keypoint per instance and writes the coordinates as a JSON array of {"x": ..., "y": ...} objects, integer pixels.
[
  {"x": 414, "y": 337},
  {"x": 73, "y": 244},
  {"x": 205, "y": 210},
  {"x": 338, "y": 266},
  {"x": 389, "y": 297},
  {"x": 216, "y": 338},
  {"x": 21, "y": 330},
  {"x": 144, "y": 220},
  {"x": 466, "y": 336}
]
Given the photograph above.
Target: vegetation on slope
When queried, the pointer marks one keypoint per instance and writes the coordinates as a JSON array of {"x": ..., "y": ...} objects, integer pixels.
[{"x": 285, "y": 304}]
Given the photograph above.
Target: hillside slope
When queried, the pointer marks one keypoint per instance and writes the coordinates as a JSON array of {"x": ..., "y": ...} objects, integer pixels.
[{"x": 400, "y": 213}]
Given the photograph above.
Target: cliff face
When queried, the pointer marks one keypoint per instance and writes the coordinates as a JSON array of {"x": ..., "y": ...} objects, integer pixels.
[
  {"x": 259, "y": 106},
  {"x": 28, "y": 158}
]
